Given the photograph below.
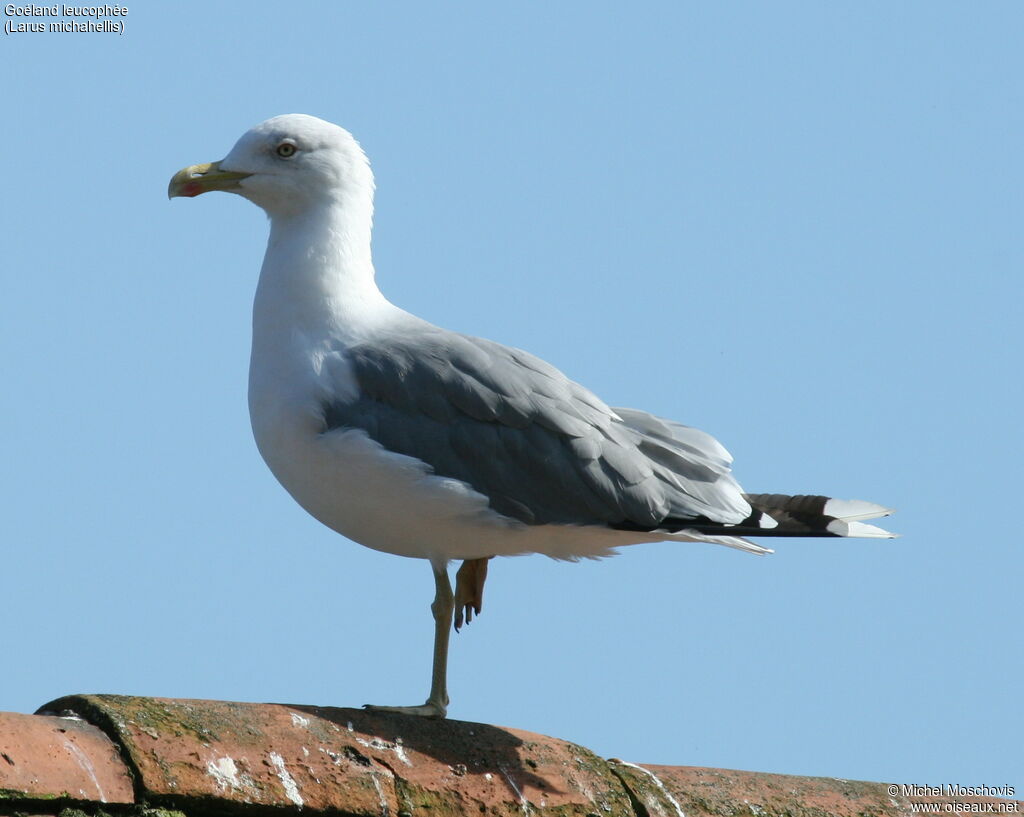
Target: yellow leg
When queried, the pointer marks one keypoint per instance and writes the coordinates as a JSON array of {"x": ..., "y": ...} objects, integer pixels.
[{"x": 442, "y": 608}]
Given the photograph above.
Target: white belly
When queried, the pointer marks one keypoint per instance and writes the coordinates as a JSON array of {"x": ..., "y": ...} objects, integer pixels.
[{"x": 391, "y": 502}]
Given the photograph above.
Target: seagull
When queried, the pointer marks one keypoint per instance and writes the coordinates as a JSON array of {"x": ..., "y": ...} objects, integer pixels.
[{"x": 421, "y": 442}]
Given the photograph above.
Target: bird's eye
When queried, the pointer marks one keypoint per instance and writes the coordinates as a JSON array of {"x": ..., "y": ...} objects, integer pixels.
[{"x": 286, "y": 150}]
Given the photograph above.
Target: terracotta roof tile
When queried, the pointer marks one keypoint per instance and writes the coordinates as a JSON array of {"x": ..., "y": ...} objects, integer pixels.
[
  {"x": 364, "y": 763},
  {"x": 54, "y": 757},
  {"x": 216, "y": 757}
]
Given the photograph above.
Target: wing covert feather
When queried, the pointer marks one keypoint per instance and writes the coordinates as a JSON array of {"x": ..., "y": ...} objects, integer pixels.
[{"x": 542, "y": 448}]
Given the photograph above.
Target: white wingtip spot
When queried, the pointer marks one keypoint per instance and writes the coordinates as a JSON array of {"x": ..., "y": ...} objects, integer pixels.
[
  {"x": 852, "y": 509},
  {"x": 841, "y": 527}
]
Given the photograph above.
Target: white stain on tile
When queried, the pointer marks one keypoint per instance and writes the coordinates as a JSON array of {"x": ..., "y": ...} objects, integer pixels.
[
  {"x": 384, "y": 810},
  {"x": 229, "y": 775},
  {"x": 334, "y": 756},
  {"x": 374, "y": 773},
  {"x": 400, "y": 752},
  {"x": 224, "y": 772},
  {"x": 388, "y": 746},
  {"x": 524, "y": 804},
  {"x": 659, "y": 784},
  {"x": 82, "y": 759},
  {"x": 290, "y": 789}
]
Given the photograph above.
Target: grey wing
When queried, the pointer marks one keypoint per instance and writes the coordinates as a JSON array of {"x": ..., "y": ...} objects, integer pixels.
[
  {"x": 541, "y": 448},
  {"x": 694, "y": 466}
]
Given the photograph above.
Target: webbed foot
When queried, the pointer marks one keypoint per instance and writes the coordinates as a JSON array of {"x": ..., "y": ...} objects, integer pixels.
[
  {"x": 431, "y": 709},
  {"x": 469, "y": 590}
]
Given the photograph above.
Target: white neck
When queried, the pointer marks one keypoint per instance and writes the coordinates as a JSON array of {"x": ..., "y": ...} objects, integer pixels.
[{"x": 317, "y": 278}]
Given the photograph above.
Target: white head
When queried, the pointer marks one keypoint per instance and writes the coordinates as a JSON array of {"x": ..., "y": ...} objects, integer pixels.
[{"x": 288, "y": 165}]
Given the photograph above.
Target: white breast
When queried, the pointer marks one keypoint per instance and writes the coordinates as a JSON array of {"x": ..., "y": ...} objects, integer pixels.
[{"x": 380, "y": 499}]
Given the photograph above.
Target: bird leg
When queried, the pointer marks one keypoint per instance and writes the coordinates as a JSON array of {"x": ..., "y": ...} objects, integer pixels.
[
  {"x": 469, "y": 590},
  {"x": 442, "y": 608}
]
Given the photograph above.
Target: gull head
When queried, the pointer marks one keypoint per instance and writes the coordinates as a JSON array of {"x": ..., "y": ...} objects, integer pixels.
[{"x": 286, "y": 165}]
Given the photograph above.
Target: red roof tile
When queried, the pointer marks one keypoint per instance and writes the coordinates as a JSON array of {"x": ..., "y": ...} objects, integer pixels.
[
  {"x": 53, "y": 757},
  {"x": 216, "y": 757}
]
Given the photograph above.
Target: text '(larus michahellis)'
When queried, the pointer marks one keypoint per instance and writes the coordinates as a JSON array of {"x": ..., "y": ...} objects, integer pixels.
[{"x": 421, "y": 442}]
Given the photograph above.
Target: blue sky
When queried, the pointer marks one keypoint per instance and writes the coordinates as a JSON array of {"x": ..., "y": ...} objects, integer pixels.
[{"x": 794, "y": 225}]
